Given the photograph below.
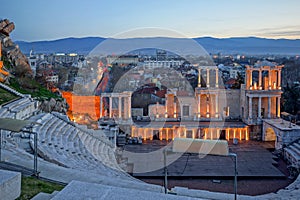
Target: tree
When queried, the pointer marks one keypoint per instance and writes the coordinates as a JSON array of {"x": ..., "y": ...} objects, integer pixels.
[
  {"x": 291, "y": 96},
  {"x": 238, "y": 81}
]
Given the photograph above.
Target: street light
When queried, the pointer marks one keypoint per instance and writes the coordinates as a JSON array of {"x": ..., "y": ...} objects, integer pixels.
[{"x": 16, "y": 125}]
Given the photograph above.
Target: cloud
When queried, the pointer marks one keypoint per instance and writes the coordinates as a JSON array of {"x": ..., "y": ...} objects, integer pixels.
[{"x": 285, "y": 31}]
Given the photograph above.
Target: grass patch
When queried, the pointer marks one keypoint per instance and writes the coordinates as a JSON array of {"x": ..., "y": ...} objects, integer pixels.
[
  {"x": 31, "y": 186},
  {"x": 36, "y": 90},
  {"x": 6, "y": 96}
]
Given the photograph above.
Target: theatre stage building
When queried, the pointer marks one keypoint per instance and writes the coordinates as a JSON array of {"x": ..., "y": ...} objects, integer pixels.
[{"x": 212, "y": 112}]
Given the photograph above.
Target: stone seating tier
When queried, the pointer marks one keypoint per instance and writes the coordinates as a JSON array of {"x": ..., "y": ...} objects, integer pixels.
[{"x": 64, "y": 144}]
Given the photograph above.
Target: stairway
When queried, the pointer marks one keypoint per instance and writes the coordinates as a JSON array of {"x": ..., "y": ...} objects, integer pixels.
[{"x": 292, "y": 154}]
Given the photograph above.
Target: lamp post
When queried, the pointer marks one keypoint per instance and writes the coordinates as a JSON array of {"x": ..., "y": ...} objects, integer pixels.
[
  {"x": 16, "y": 125},
  {"x": 35, "y": 153}
]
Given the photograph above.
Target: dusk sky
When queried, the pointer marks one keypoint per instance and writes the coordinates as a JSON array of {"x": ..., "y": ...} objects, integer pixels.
[{"x": 48, "y": 20}]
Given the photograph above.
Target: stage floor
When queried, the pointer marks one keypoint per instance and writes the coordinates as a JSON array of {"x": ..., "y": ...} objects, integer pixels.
[{"x": 254, "y": 160}]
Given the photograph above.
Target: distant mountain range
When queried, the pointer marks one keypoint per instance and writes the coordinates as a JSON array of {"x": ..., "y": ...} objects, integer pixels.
[{"x": 243, "y": 45}]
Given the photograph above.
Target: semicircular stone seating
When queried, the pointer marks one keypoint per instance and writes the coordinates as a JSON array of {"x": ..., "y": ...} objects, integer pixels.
[
  {"x": 61, "y": 142},
  {"x": 21, "y": 108}
]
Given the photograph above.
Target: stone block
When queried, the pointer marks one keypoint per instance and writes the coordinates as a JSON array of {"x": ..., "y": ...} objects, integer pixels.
[{"x": 10, "y": 184}]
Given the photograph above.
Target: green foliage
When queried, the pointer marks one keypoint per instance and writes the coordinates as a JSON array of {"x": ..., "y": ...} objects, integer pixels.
[
  {"x": 6, "y": 63},
  {"x": 32, "y": 87},
  {"x": 238, "y": 81},
  {"x": 6, "y": 96},
  {"x": 27, "y": 85},
  {"x": 31, "y": 186},
  {"x": 291, "y": 96}
]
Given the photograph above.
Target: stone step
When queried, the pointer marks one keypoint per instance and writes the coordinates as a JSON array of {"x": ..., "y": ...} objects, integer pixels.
[
  {"x": 65, "y": 144},
  {"x": 297, "y": 145},
  {"x": 83, "y": 190},
  {"x": 203, "y": 194},
  {"x": 45, "y": 196},
  {"x": 42, "y": 196},
  {"x": 13, "y": 105},
  {"x": 295, "y": 149},
  {"x": 3, "y": 112},
  {"x": 292, "y": 156}
]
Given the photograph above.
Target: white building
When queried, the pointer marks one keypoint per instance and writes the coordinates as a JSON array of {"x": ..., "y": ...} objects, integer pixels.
[
  {"x": 33, "y": 62},
  {"x": 52, "y": 79}
]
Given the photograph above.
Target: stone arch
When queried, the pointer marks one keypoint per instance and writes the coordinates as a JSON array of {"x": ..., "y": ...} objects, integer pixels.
[{"x": 270, "y": 134}]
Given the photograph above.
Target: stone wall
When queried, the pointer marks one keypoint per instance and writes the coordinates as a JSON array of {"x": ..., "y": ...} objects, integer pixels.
[
  {"x": 136, "y": 112},
  {"x": 156, "y": 109},
  {"x": 243, "y": 103},
  {"x": 255, "y": 132},
  {"x": 286, "y": 134},
  {"x": 233, "y": 102}
]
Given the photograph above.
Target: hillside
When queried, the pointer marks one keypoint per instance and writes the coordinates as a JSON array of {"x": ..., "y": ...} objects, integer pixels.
[
  {"x": 68, "y": 45},
  {"x": 246, "y": 45},
  {"x": 20, "y": 75}
]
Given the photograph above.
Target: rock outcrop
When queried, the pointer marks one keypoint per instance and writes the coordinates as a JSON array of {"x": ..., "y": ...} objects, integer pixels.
[
  {"x": 54, "y": 105},
  {"x": 6, "y": 27},
  {"x": 19, "y": 61}
]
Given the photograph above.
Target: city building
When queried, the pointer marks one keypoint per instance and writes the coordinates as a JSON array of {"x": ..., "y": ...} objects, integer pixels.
[
  {"x": 33, "y": 62},
  {"x": 123, "y": 60}
]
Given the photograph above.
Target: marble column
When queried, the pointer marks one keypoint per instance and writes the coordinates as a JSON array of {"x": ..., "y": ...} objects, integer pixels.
[
  {"x": 207, "y": 78},
  {"x": 270, "y": 83},
  {"x": 175, "y": 110},
  {"x": 250, "y": 107},
  {"x": 217, "y": 77},
  {"x": 167, "y": 134},
  {"x": 260, "y": 80},
  {"x": 120, "y": 107},
  {"x": 240, "y": 134},
  {"x": 101, "y": 105},
  {"x": 199, "y": 105},
  {"x": 199, "y": 77},
  {"x": 250, "y": 78},
  {"x": 145, "y": 133},
  {"x": 228, "y": 134},
  {"x": 160, "y": 134},
  {"x": 269, "y": 107},
  {"x": 129, "y": 106},
  {"x": 181, "y": 110},
  {"x": 278, "y": 107},
  {"x": 279, "y": 79},
  {"x": 259, "y": 108},
  {"x": 110, "y": 107},
  {"x": 207, "y": 109},
  {"x": 132, "y": 131},
  {"x": 217, "y": 106}
]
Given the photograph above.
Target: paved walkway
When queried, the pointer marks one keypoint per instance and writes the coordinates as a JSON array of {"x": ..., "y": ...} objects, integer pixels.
[
  {"x": 254, "y": 160},
  {"x": 48, "y": 170}
]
